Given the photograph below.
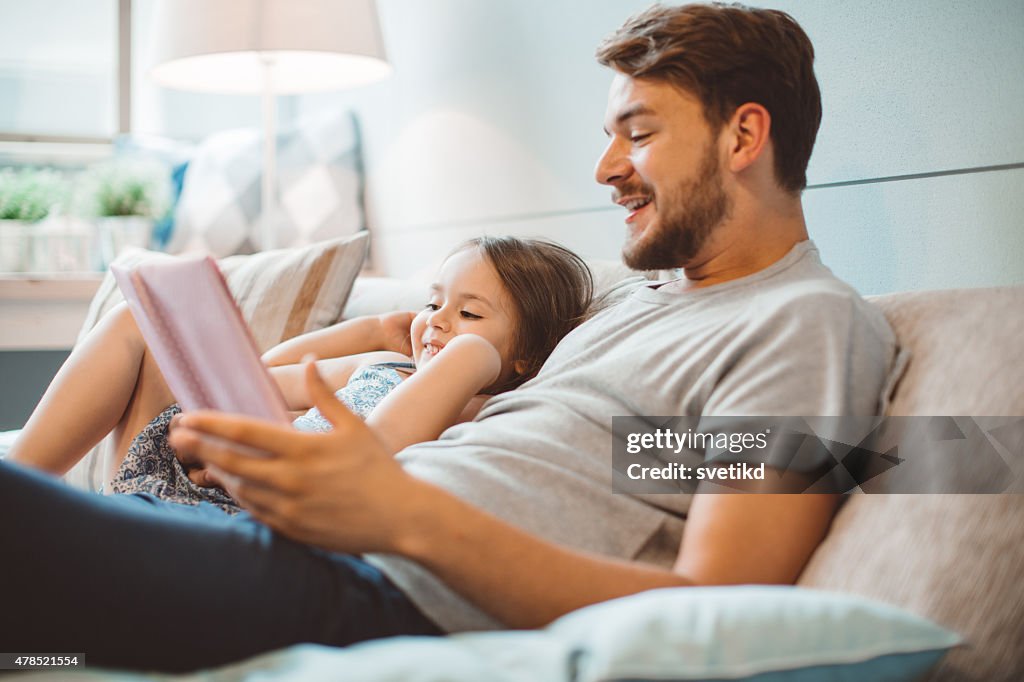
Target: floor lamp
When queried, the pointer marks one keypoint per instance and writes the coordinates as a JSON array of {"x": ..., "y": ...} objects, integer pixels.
[{"x": 269, "y": 48}]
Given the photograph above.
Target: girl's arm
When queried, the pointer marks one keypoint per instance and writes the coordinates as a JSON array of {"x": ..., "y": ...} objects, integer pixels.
[
  {"x": 388, "y": 332},
  {"x": 431, "y": 400},
  {"x": 335, "y": 372}
]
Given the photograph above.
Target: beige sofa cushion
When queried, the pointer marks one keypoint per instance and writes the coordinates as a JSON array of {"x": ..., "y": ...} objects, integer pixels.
[
  {"x": 281, "y": 293},
  {"x": 953, "y": 558},
  {"x": 963, "y": 344}
]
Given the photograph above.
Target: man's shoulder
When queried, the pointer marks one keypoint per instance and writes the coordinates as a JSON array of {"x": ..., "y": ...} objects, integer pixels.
[
  {"x": 814, "y": 289},
  {"x": 805, "y": 283},
  {"x": 821, "y": 300}
]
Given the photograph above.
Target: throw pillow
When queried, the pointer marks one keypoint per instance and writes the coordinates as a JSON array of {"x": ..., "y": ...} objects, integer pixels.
[
  {"x": 281, "y": 294},
  {"x": 756, "y": 633},
  {"x": 319, "y": 185},
  {"x": 174, "y": 156},
  {"x": 767, "y": 633}
]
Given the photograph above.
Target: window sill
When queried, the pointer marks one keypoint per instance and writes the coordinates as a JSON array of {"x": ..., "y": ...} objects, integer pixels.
[{"x": 44, "y": 311}]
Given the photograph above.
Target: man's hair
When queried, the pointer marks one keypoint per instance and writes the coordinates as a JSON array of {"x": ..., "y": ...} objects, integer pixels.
[
  {"x": 728, "y": 55},
  {"x": 549, "y": 288}
]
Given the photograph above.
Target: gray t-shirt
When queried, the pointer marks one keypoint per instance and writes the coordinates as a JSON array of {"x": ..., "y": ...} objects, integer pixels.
[{"x": 788, "y": 340}]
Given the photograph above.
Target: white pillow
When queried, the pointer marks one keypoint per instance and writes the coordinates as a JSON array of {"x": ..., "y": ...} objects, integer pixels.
[
  {"x": 757, "y": 632},
  {"x": 762, "y": 633}
]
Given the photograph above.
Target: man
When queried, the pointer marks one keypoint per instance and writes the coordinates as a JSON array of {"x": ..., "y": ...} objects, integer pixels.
[{"x": 511, "y": 520}]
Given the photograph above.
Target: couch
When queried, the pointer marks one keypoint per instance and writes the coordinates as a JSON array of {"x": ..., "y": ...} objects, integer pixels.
[{"x": 955, "y": 559}]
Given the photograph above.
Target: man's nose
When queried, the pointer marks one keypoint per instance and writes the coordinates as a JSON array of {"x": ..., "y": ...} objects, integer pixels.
[{"x": 614, "y": 165}]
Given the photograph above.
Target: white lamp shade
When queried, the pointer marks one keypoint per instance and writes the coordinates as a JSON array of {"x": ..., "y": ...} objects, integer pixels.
[{"x": 224, "y": 46}]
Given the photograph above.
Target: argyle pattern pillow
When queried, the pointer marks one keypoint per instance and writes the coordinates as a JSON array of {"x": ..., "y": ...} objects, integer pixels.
[{"x": 319, "y": 184}]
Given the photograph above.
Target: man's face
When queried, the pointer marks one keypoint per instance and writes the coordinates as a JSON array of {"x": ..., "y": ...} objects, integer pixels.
[{"x": 662, "y": 161}]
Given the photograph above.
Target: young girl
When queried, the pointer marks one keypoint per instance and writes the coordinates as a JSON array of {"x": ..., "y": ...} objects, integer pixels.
[{"x": 498, "y": 308}]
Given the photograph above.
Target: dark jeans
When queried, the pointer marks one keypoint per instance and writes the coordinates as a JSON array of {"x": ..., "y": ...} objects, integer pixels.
[{"x": 135, "y": 582}]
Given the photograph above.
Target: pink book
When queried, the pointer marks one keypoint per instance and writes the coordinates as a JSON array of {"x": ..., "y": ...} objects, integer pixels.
[{"x": 198, "y": 338}]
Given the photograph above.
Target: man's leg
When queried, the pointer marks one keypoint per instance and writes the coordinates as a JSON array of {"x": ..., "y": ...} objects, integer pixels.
[{"x": 138, "y": 583}]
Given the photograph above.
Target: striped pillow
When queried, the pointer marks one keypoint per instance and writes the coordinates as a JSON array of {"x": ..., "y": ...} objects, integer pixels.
[{"x": 281, "y": 294}]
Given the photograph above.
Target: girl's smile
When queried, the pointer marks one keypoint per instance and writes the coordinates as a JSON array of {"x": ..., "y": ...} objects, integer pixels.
[{"x": 467, "y": 298}]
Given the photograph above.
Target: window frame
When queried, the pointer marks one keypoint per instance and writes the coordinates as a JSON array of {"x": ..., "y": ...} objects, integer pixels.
[{"x": 24, "y": 141}]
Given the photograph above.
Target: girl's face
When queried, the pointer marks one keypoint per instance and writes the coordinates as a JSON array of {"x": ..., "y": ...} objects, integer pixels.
[{"x": 467, "y": 298}]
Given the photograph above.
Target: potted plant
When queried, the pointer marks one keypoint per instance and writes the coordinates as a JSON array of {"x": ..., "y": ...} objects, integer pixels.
[
  {"x": 125, "y": 197},
  {"x": 27, "y": 196}
]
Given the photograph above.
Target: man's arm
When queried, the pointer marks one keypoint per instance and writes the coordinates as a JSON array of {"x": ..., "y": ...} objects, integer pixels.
[
  {"x": 527, "y": 582},
  {"x": 342, "y": 491}
]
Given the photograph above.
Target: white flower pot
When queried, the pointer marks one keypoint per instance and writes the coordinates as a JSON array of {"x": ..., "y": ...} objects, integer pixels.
[
  {"x": 117, "y": 233},
  {"x": 63, "y": 244},
  {"x": 16, "y": 245}
]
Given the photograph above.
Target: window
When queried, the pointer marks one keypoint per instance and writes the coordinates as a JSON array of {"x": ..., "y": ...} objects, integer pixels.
[
  {"x": 74, "y": 72},
  {"x": 61, "y": 77}
]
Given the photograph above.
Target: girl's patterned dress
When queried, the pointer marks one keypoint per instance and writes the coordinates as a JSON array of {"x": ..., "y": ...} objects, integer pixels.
[{"x": 151, "y": 467}]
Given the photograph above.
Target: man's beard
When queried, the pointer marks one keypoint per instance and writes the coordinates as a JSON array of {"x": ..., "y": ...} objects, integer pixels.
[{"x": 686, "y": 219}]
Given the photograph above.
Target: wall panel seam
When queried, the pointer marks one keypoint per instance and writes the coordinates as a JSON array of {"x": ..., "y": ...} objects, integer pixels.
[{"x": 564, "y": 213}]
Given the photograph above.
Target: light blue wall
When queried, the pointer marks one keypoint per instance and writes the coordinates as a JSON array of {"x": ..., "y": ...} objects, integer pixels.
[
  {"x": 492, "y": 123},
  {"x": 930, "y": 89}
]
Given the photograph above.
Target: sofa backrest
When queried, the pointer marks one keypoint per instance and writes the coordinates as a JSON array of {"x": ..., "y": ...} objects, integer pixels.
[
  {"x": 953, "y": 558},
  {"x": 965, "y": 347}
]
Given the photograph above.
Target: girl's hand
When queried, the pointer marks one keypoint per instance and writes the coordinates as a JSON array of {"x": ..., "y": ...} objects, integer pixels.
[
  {"x": 338, "y": 490},
  {"x": 395, "y": 331}
]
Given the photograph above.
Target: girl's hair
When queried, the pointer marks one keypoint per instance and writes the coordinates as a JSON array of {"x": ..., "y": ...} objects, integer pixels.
[{"x": 550, "y": 288}]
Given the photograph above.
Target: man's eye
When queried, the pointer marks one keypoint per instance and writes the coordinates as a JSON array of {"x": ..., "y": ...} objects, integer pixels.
[
  {"x": 470, "y": 316},
  {"x": 639, "y": 138},
  {"x": 433, "y": 306}
]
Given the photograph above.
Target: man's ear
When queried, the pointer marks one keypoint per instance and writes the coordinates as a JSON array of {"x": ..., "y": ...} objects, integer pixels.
[{"x": 749, "y": 132}]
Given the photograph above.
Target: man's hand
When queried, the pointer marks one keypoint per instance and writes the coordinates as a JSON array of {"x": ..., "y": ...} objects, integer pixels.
[
  {"x": 194, "y": 467},
  {"x": 338, "y": 490}
]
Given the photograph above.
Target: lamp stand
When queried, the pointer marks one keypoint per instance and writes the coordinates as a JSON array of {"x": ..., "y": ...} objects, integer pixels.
[{"x": 268, "y": 193}]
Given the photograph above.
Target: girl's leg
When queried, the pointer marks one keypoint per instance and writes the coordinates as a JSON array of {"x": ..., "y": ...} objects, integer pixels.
[
  {"x": 109, "y": 383},
  {"x": 150, "y": 397},
  {"x": 134, "y": 582}
]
